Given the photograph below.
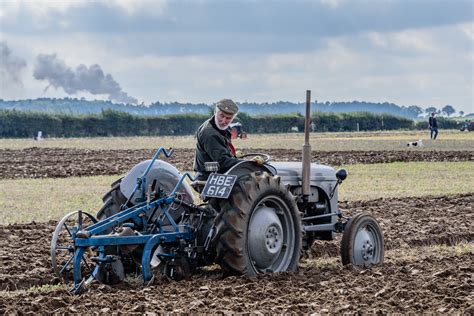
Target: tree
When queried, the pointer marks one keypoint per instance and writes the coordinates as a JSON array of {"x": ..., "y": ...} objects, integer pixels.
[
  {"x": 461, "y": 113},
  {"x": 430, "y": 110},
  {"x": 448, "y": 109},
  {"x": 415, "y": 109}
]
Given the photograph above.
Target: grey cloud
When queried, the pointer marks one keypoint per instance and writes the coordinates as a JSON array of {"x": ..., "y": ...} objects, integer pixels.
[
  {"x": 280, "y": 17},
  {"x": 215, "y": 26},
  {"x": 90, "y": 79},
  {"x": 11, "y": 67}
]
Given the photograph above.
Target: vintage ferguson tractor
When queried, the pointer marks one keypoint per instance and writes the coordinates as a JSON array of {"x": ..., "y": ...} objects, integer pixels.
[{"x": 252, "y": 219}]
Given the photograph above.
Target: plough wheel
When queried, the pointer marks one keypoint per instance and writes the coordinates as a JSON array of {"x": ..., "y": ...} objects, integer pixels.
[
  {"x": 62, "y": 245},
  {"x": 259, "y": 227},
  {"x": 362, "y": 242}
]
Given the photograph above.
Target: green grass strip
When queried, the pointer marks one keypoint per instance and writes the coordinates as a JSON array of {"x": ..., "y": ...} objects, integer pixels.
[
  {"x": 401, "y": 179},
  {"x": 26, "y": 200}
]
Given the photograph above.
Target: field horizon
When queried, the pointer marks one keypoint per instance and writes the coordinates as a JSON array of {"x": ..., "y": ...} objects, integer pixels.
[{"x": 377, "y": 141}]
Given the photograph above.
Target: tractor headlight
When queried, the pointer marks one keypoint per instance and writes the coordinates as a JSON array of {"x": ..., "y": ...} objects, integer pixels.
[
  {"x": 211, "y": 166},
  {"x": 341, "y": 175}
]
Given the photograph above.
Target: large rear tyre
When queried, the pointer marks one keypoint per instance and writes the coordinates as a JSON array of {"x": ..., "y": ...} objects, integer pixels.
[
  {"x": 113, "y": 201},
  {"x": 258, "y": 228},
  {"x": 362, "y": 242}
]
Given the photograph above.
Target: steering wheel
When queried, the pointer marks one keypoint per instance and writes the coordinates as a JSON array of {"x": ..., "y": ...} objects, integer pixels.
[{"x": 266, "y": 158}]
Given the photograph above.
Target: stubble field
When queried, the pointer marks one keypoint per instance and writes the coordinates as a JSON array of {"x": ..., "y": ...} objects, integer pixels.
[{"x": 428, "y": 233}]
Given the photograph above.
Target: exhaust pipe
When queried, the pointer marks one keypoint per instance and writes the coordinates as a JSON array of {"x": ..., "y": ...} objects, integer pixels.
[{"x": 306, "y": 150}]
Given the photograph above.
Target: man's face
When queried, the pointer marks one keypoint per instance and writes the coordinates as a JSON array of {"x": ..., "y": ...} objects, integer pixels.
[{"x": 223, "y": 119}]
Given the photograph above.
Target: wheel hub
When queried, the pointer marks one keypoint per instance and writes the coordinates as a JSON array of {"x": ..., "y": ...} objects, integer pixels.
[
  {"x": 273, "y": 240},
  {"x": 265, "y": 237},
  {"x": 364, "y": 249},
  {"x": 367, "y": 250}
]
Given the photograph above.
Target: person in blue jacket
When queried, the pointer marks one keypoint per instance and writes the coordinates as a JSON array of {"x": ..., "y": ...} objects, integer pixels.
[{"x": 433, "y": 126}]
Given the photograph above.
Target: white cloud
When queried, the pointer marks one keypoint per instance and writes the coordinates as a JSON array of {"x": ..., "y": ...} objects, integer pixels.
[
  {"x": 132, "y": 7},
  {"x": 43, "y": 8},
  {"x": 37, "y": 8},
  {"x": 411, "y": 41},
  {"x": 9, "y": 9},
  {"x": 378, "y": 39},
  {"x": 40, "y": 13},
  {"x": 418, "y": 40},
  {"x": 331, "y": 3},
  {"x": 468, "y": 30}
]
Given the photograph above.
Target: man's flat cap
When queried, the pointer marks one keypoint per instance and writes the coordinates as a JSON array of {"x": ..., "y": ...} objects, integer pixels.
[{"x": 228, "y": 106}]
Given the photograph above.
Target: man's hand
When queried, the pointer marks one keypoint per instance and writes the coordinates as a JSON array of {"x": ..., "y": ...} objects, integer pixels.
[{"x": 258, "y": 160}]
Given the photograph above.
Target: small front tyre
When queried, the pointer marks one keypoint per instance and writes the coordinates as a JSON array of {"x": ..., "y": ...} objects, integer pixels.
[{"x": 362, "y": 242}]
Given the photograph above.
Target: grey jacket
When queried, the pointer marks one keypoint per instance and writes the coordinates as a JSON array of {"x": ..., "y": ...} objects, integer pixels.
[{"x": 213, "y": 145}]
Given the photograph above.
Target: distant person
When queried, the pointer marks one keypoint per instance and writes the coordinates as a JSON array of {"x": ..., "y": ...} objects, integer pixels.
[
  {"x": 39, "y": 137},
  {"x": 433, "y": 126}
]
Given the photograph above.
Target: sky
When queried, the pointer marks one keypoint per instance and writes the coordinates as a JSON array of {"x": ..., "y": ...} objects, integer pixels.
[{"x": 407, "y": 52}]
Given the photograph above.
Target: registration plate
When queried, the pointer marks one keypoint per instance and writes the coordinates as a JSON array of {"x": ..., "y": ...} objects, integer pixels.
[{"x": 219, "y": 186}]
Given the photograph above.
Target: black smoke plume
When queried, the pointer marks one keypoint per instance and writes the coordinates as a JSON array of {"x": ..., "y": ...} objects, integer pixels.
[
  {"x": 10, "y": 67},
  {"x": 90, "y": 79}
]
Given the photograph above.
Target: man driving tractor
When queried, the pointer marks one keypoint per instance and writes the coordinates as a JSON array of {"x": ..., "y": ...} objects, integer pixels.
[{"x": 214, "y": 141}]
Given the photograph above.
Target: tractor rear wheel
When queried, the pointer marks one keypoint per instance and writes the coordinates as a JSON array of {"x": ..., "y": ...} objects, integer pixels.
[
  {"x": 113, "y": 200},
  {"x": 258, "y": 228}
]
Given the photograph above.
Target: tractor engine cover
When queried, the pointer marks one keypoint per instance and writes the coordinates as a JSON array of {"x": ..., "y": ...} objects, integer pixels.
[
  {"x": 166, "y": 177},
  {"x": 321, "y": 176}
]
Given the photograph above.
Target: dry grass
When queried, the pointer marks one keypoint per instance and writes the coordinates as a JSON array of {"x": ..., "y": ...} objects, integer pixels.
[
  {"x": 366, "y": 182},
  {"x": 448, "y": 140},
  {"x": 25, "y": 200}
]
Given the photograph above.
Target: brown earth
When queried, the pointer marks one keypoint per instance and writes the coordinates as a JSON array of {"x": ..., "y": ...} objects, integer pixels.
[
  {"x": 413, "y": 279},
  {"x": 58, "y": 162}
]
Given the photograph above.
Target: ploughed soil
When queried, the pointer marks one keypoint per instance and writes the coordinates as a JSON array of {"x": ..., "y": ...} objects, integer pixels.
[
  {"x": 58, "y": 162},
  {"x": 414, "y": 278}
]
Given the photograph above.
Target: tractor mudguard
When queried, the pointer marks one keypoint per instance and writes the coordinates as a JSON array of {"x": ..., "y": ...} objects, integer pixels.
[
  {"x": 162, "y": 175},
  {"x": 246, "y": 167}
]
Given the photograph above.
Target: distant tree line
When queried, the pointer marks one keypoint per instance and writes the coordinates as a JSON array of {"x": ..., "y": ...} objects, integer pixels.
[
  {"x": 20, "y": 124},
  {"x": 324, "y": 122},
  {"x": 443, "y": 122},
  {"x": 108, "y": 123},
  {"x": 82, "y": 106}
]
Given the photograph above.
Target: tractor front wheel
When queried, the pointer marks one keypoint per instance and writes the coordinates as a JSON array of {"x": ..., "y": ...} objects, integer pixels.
[
  {"x": 258, "y": 228},
  {"x": 362, "y": 242}
]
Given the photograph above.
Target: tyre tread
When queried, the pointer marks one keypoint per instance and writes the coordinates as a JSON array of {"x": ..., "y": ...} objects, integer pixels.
[{"x": 237, "y": 210}]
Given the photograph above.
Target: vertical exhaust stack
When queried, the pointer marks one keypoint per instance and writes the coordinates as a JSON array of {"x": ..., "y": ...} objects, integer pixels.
[{"x": 306, "y": 150}]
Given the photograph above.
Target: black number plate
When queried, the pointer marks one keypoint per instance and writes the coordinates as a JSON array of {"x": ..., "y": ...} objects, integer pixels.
[{"x": 219, "y": 186}]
